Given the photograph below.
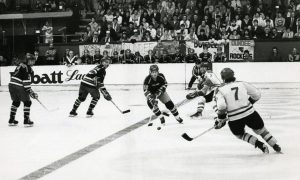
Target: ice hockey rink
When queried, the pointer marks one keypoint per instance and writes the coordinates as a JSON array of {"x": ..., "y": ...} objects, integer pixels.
[{"x": 114, "y": 146}]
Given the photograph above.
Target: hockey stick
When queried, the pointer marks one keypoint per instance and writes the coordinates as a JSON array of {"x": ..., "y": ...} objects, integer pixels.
[
  {"x": 123, "y": 112},
  {"x": 49, "y": 110},
  {"x": 188, "y": 138}
]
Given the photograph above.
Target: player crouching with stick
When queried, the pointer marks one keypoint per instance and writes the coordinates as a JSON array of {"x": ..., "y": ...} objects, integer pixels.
[
  {"x": 155, "y": 86},
  {"x": 90, "y": 84},
  {"x": 235, "y": 99}
]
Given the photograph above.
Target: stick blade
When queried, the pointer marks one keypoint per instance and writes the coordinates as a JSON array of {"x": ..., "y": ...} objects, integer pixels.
[
  {"x": 186, "y": 137},
  {"x": 126, "y": 111}
]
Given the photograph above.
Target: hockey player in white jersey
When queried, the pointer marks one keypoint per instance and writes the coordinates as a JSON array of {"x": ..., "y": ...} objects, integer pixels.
[
  {"x": 234, "y": 102},
  {"x": 205, "y": 90}
]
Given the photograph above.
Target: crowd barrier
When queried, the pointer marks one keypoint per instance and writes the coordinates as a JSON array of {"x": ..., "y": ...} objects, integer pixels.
[
  {"x": 259, "y": 50},
  {"x": 134, "y": 74}
]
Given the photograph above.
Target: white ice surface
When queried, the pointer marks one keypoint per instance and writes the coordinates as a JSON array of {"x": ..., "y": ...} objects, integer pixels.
[{"x": 147, "y": 153}]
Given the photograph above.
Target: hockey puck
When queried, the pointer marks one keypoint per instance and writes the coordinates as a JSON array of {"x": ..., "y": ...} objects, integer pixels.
[
  {"x": 158, "y": 128},
  {"x": 150, "y": 124}
]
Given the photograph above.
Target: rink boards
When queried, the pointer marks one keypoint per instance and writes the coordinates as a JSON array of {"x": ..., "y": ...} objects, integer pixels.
[{"x": 133, "y": 74}]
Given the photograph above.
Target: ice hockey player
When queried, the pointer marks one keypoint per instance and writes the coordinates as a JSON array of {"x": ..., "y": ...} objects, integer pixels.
[
  {"x": 20, "y": 90},
  {"x": 196, "y": 73},
  {"x": 234, "y": 102},
  {"x": 205, "y": 89},
  {"x": 90, "y": 84},
  {"x": 155, "y": 86}
]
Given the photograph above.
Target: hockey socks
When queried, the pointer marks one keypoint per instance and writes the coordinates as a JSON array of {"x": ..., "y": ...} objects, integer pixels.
[
  {"x": 266, "y": 135},
  {"x": 27, "y": 113},
  {"x": 76, "y": 104},
  {"x": 93, "y": 103}
]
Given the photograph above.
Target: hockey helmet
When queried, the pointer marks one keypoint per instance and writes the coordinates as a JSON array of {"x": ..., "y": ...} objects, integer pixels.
[
  {"x": 115, "y": 53},
  {"x": 154, "y": 67},
  {"x": 227, "y": 74},
  {"x": 191, "y": 50},
  {"x": 198, "y": 61}
]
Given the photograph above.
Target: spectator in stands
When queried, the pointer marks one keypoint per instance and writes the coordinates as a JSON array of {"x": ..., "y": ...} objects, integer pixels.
[
  {"x": 267, "y": 33},
  {"x": 124, "y": 37},
  {"x": 275, "y": 55},
  {"x": 149, "y": 58},
  {"x": 135, "y": 18},
  {"x": 247, "y": 57},
  {"x": 94, "y": 25},
  {"x": 203, "y": 26},
  {"x": 48, "y": 30},
  {"x": 135, "y": 37},
  {"x": 86, "y": 58},
  {"x": 107, "y": 38},
  {"x": 275, "y": 34},
  {"x": 152, "y": 31},
  {"x": 182, "y": 32},
  {"x": 256, "y": 31},
  {"x": 234, "y": 35},
  {"x": 202, "y": 36},
  {"x": 220, "y": 56},
  {"x": 116, "y": 26},
  {"x": 115, "y": 58},
  {"x": 279, "y": 23},
  {"x": 64, "y": 59},
  {"x": 166, "y": 36},
  {"x": 95, "y": 38},
  {"x": 147, "y": 37},
  {"x": 51, "y": 56},
  {"x": 72, "y": 59},
  {"x": 3, "y": 61},
  {"x": 138, "y": 58},
  {"x": 191, "y": 36},
  {"x": 39, "y": 60},
  {"x": 205, "y": 56},
  {"x": 287, "y": 34},
  {"x": 294, "y": 55},
  {"x": 97, "y": 57},
  {"x": 109, "y": 16},
  {"x": 128, "y": 57}
]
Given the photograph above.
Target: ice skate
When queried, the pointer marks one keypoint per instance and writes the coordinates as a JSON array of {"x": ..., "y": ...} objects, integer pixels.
[
  {"x": 262, "y": 147},
  {"x": 196, "y": 115},
  {"x": 89, "y": 113},
  {"x": 277, "y": 148},
  {"x": 12, "y": 122},
  {"x": 28, "y": 123},
  {"x": 73, "y": 113}
]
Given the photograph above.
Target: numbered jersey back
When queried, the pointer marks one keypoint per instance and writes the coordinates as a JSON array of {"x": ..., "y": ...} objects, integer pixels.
[{"x": 236, "y": 96}]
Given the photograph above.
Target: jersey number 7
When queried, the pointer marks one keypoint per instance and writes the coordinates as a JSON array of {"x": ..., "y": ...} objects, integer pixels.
[{"x": 236, "y": 89}]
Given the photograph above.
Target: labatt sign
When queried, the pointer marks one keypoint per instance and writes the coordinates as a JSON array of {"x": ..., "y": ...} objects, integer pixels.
[
  {"x": 237, "y": 49},
  {"x": 59, "y": 75}
]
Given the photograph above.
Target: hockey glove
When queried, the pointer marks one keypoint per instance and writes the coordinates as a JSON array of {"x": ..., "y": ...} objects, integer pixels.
[
  {"x": 32, "y": 94},
  {"x": 194, "y": 94},
  {"x": 106, "y": 95},
  {"x": 220, "y": 121},
  {"x": 152, "y": 99},
  {"x": 252, "y": 101}
]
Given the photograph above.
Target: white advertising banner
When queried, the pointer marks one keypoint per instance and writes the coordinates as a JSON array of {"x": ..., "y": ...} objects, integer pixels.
[
  {"x": 237, "y": 49},
  {"x": 131, "y": 74},
  {"x": 198, "y": 46},
  {"x": 142, "y": 47}
]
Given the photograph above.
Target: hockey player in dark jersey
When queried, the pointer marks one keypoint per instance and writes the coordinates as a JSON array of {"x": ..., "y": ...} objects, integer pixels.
[
  {"x": 20, "y": 91},
  {"x": 155, "y": 86},
  {"x": 90, "y": 84},
  {"x": 196, "y": 73},
  {"x": 220, "y": 56}
]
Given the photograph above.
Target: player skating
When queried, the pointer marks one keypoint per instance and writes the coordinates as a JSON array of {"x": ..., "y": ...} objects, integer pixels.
[
  {"x": 155, "y": 86},
  {"x": 20, "y": 90},
  {"x": 90, "y": 84},
  {"x": 235, "y": 100},
  {"x": 205, "y": 89}
]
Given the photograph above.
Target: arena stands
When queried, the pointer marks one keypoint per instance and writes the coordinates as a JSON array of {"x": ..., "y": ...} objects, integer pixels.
[{"x": 217, "y": 21}]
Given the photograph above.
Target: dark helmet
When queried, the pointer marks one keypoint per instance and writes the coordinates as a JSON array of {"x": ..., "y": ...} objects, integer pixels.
[
  {"x": 128, "y": 51},
  {"x": 105, "y": 52},
  {"x": 227, "y": 75},
  {"x": 153, "y": 67}
]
